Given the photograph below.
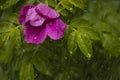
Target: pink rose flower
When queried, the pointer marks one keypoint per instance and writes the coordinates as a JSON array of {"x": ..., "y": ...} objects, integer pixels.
[{"x": 41, "y": 21}]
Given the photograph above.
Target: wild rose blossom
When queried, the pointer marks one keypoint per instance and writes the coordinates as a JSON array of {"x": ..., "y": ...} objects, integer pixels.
[{"x": 41, "y": 21}]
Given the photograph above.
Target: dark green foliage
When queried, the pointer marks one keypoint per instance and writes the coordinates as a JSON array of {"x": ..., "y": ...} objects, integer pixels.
[
  {"x": 27, "y": 72},
  {"x": 90, "y": 49},
  {"x": 42, "y": 64},
  {"x": 72, "y": 43}
]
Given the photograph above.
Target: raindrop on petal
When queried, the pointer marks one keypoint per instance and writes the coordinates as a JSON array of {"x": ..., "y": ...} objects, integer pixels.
[{"x": 35, "y": 37}]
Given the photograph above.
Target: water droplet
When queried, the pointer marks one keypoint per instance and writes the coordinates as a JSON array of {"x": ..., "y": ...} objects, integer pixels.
[
  {"x": 65, "y": 58},
  {"x": 40, "y": 21},
  {"x": 36, "y": 75},
  {"x": 71, "y": 52},
  {"x": 85, "y": 10},
  {"x": 89, "y": 55},
  {"x": 1, "y": 7},
  {"x": 23, "y": 50},
  {"x": 35, "y": 37},
  {"x": 71, "y": 8},
  {"x": 85, "y": 35},
  {"x": 119, "y": 38}
]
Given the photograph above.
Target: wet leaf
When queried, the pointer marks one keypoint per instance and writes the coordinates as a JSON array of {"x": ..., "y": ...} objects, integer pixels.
[
  {"x": 79, "y": 3},
  {"x": 42, "y": 65},
  {"x": 27, "y": 72},
  {"x": 85, "y": 45},
  {"x": 5, "y": 26},
  {"x": 72, "y": 42}
]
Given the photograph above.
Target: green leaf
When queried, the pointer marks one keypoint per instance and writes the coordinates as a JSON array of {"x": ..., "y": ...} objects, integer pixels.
[
  {"x": 9, "y": 42},
  {"x": 62, "y": 11},
  {"x": 2, "y": 75},
  {"x": 52, "y": 3},
  {"x": 13, "y": 18},
  {"x": 102, "y": 27},
  {"x": 79, "y": 3},
  {"x": 76, "y": 22},
  {"x": 68, "y": 6},
  {"x": 63, "y": 76},
  {"x": 85, "y": 45},
  {"x": 111, "y": 43},
  {"x": 89, "y": 32},
  {"x": 6, "y": 50},
  {"x": 8, "y": 4},
  {"x": 15, "y": 35},
  {"x": 72, "y": 42},
  {"x": 5, "y": 26},
  {"x": 30, "y": 1},
  {"x": 5, "y": 14},
  {"x": 26, "y": 72},
  {"x": 42, "y": 65},
  {"x": 114, "y": 20},
  {"x": 84, "y": 27}
]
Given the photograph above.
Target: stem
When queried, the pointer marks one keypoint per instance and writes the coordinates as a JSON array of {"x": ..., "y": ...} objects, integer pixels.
[
  {"x": 58, "y": 5},
  {"x": 60, "y": 10}
]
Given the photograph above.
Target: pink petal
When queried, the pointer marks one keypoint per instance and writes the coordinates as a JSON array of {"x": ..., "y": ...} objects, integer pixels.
[
  {"x": 35, "y": 35},
  {"x": 46, "y": 11},
  {"x": 34, "y": 18},
  {"x": 56, "y": 29},
  {"x": 23, "y": 13}
]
